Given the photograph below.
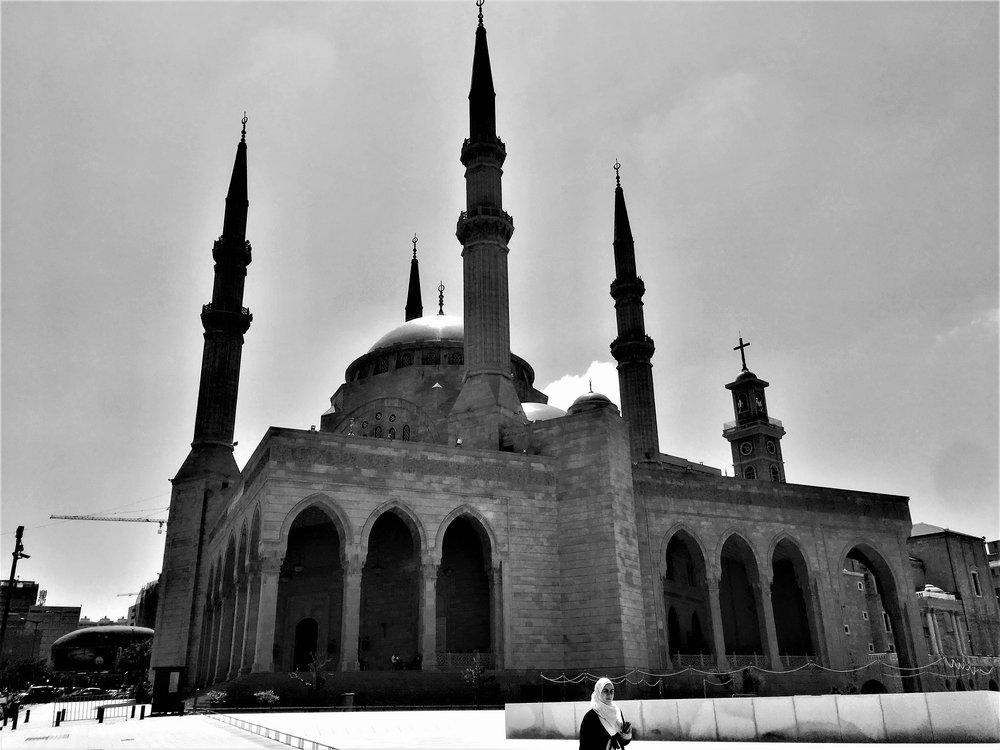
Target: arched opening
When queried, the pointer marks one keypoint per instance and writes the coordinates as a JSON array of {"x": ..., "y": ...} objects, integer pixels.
[
  {"x": 874, "y": 624},
  {"x": 304, "y": 651},
  {"x": 993, "y": 686},
  {"x": 790, "y": 600},
  {"x": 738, "y": 599},
  {"x": 685, "y": 597},
  {"x": 872, "y": 687},
  {"x": 389, "y": 594},
  {"x": 959, "y": 685},
  {"x": 310, "y": 587},
  {"x": 463, "y": 589}
]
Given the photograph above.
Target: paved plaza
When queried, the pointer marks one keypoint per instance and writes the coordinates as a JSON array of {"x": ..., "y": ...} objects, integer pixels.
[{"x": 360, "y": 730}]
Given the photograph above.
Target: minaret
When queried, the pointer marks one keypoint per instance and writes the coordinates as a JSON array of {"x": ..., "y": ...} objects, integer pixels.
[
  {"x": 633, "y": 349},
  {"x": 210, "y": 470},
  {"x": 487, "y": 401},
  {"x": 755, "y": 438},
  {"x": 414, "y": 305}
]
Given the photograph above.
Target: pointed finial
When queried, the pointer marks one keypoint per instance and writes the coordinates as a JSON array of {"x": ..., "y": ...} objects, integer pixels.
[
  {"x": 590, "y": 385},
  {"x": 479, "y": 4},
  {"x": 441, "y": 298},
  {"x": 414, "y": 245},
  {"x": 243, "y": 135},
  {"x": 618, "y": 177}
]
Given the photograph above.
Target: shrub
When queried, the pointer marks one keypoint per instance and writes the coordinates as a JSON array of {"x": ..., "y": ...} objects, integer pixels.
[{"x": 266, "y": 697}]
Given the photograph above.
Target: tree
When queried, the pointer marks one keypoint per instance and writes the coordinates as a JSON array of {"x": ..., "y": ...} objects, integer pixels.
[
  {"x": 315, "y": 680},
  {"x": 133, "y": 665},
  {"x": 22, "y": 673}
]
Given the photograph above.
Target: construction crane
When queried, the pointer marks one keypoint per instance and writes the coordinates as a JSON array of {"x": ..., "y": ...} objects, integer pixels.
[
  {"x": 160, "y": 521},
  {"x": 131, "y": 593}
]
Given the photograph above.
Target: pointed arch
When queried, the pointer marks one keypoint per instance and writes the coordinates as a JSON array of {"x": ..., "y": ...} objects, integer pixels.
[
  {"x": 739, "y": 595},
  {"x": 885, "y": 590},
  {"x": 328, "y": 506},
  {"x": 242, "y": 551},
  {"x": 482, "y": 526},
  {"x": 796, "y": 620},
  {"x": 684, "y": 573},
  {"x": 254, "y": 545},
  {"x": 405, "y": 514}
]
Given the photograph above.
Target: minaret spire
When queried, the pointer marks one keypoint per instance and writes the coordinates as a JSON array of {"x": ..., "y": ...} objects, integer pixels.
[
  {"x": 414, "y": 305},
  {"x": 488, "y": 400},
  {"x": 224, "y": 319},
  {"x": 633, "y": 349},
  {"x": 206, "y": 479}
]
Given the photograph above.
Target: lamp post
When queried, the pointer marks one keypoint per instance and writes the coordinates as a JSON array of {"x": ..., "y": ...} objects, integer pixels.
[{"x": 17, "y": 554}]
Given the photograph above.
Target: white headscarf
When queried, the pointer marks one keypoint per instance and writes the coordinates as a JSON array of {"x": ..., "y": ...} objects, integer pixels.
[{"x": 606, "y": 709}]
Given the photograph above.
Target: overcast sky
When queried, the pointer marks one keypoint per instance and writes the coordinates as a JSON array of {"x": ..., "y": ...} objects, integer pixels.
[{"x": 818, "y": 177}]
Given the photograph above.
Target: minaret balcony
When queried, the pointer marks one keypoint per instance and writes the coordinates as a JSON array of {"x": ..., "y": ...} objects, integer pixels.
[
  {"x": 623, "y": 288},
  {"x": 627, "y": 349},
  {"x": 484, "y": 223},
  {"x": 473, "y": 150},
  {"x": 228, "y": 252},
  {"x": 227, "y": 321}
]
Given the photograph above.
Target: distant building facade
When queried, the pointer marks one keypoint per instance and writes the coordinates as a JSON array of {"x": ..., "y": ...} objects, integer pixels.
[
  {"x": 444, "y": 508},
  {"x": 959, "y": 608}
]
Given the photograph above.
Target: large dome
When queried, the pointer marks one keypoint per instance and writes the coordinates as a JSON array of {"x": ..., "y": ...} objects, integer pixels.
[{"x": 430, "y": 328}]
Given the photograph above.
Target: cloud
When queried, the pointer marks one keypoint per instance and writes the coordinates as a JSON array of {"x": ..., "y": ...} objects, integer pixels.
[
  {"x": 988, "y": 321},
  {"x": 603, "y": 375}
]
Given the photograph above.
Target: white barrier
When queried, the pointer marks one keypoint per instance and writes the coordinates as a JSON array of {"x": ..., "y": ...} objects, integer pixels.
[{"x": 972, "y": 716}]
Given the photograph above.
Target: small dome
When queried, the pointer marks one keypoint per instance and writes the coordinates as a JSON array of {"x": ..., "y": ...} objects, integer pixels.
[
  {"x": 590, "y": 401},
  {"x": 430, "y": 328},
  {"x": 746, "y": 375},
  {"x": 536, "y": 412}
]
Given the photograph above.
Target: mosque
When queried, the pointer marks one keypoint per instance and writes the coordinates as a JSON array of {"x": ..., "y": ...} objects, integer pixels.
[{"x": 443, "y": 509}]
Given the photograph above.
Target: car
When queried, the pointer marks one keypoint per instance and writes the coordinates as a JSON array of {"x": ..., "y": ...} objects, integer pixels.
[
  {"x": 37, "y": 694},
  {"x": 87, "y": 691}
]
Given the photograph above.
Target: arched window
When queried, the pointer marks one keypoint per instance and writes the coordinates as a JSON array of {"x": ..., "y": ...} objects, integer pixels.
[
  {"x": 392, "y": 433},
  {"x": 775, "y": 473},
  {"x": 406, "y": 432},
  {"x": 750, "y": 473},
  {"x": 378, "y": 431}
]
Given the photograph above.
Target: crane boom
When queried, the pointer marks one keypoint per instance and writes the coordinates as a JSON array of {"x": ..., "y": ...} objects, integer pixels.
[{"x": 160, "y": 521}]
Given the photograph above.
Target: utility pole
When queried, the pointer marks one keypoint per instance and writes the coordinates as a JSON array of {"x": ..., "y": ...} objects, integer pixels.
[{"x": 17, "y": 554}]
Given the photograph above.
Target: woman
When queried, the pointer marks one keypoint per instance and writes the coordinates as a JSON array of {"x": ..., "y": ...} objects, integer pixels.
[{"x": 603, "y": 726}]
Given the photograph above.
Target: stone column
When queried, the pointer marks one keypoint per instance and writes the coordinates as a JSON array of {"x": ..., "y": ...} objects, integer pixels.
[
  {"x": 218, "y": 618},
  {"x": 718, "y": 638},
  {"x": 427, "y": 627},
  {"x": 250, "y": 618},
  {"x": 239, "y": 626},
  {"x": 763, "y": 596},
  {"x": 351, "y": 615},
  {"x": 267, "y": 608}
]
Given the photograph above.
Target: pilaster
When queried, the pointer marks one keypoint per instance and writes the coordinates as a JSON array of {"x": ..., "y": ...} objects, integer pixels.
[
  {"x": 263, "y": 660},
  {"x": 351, "y": 614}
]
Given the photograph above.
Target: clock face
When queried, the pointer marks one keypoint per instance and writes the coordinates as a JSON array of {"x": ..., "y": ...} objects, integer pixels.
[
  {"x": 746, "y": 448},
  {"x": 770, "y": 446}
]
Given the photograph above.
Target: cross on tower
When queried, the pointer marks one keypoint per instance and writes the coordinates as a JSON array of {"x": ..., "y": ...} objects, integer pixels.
[{"x": 743, "y": 355}]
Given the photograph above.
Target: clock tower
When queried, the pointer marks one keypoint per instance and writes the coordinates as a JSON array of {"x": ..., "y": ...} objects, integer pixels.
[{"x": 754, "y": 436}]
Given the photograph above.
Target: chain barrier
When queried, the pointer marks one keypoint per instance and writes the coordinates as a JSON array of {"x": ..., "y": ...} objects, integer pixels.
[{"x": 651, "y": 679}]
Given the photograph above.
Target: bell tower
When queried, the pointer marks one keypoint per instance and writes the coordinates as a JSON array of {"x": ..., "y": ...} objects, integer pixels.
[{"x": 755, "y": 438}]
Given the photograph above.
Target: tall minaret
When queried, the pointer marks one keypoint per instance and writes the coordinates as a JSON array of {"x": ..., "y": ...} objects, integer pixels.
[
  {"x": 414, "y": 305},
  {"x": 633, "y": 349},
  {"x": 210, "y": 472},
  {"x": 488, "y": 400}
]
